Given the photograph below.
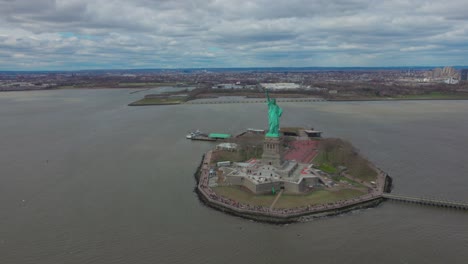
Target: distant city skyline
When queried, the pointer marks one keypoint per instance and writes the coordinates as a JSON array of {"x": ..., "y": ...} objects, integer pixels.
[{"x": 101, "y": 34}]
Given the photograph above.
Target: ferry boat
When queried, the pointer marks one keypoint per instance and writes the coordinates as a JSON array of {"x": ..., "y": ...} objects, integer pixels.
[{"x": 194, "y": 134}]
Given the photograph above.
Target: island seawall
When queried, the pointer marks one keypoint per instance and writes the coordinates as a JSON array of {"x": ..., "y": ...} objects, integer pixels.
[{"x": 263, "y": 214}]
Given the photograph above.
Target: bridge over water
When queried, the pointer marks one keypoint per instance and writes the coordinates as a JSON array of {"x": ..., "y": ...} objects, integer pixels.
[{"x": 427, "y": 201}]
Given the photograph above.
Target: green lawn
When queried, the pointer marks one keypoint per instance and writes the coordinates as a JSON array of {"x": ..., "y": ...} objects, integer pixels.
[
  {"x": 328, "y": 168},
  {"x": 362, "y": 171},
  {"x": 335, "y": 152},
  {"x": 316, "y": 197},
  {"x": 244, "y": 196}
]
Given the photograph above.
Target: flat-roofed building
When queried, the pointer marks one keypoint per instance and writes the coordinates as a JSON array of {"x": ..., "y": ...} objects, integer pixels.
[{"x": 280, "y": 86}]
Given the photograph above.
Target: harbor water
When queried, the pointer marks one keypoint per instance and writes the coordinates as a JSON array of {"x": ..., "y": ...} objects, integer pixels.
[{"x": 84, "y": 178}]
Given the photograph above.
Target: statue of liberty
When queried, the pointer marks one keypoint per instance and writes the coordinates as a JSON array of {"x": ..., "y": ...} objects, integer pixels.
[{"x": 274, "y": 114}]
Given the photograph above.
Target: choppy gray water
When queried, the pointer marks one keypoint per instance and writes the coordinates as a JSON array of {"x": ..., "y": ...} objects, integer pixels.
[{"x": 86, "y": 179}]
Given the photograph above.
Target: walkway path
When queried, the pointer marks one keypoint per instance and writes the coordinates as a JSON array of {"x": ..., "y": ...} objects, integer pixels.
[
  {"x": 427, "y": 201},
  {"x": 276, "y": 199}
]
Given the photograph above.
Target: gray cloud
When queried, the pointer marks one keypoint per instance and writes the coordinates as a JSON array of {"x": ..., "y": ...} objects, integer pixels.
[{"x": 74, "y": 34}]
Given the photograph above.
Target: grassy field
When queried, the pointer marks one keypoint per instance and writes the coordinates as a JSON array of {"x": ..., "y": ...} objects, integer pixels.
[
  {"x": 316, "y": 197},
  {"x": 244, "y": 196},
  {"x": 158, "y": 101},
  {"x": 328, "y": 168},
  {"x": 335, "y": 152}
]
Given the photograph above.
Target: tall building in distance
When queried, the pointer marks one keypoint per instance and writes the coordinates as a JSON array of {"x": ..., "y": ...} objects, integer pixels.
[
  {"x": 464, "y": 75},
  {"x": 443, "y": 73}
]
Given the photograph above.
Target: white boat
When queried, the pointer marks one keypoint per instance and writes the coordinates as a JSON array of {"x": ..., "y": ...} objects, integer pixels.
[{"x": 194, "y": 134}]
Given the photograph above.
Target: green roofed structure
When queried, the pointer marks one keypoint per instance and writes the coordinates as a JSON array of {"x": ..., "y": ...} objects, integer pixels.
[{"x": 219, "y": 136}]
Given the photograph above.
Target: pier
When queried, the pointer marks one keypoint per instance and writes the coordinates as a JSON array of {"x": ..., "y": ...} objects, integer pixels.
[
  {"x": 203, "y": 138},
  {"x": 427, "y": 201}
]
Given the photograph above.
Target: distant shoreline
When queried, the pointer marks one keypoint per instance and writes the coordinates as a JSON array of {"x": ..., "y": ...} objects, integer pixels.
[
  {"x": 237, "y": 100},
  {"x": 228, "y": 69},
  {"x": 241, "y": 98}
]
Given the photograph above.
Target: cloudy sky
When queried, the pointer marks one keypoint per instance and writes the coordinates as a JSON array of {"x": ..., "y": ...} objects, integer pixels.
[{"x": 90, "y": 34}]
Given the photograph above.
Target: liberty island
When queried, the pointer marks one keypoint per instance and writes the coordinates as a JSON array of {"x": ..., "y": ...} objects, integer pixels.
[{"x": 284, "y": 174}]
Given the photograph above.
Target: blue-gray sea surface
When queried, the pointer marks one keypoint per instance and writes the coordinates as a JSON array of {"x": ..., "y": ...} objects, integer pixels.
[{"x": 84, "y": 178}]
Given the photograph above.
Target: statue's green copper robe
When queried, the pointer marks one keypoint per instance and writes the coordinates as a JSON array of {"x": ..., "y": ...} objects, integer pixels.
[{"x": 274, "y": 114}]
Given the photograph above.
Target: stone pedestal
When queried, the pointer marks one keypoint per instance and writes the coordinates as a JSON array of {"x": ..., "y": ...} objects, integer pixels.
[{"x": 273, "y": 151}]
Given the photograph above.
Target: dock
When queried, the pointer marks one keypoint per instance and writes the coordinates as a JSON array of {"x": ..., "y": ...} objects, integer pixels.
[
  {"x": 197, "y": 135},
  {"x": 427, "y": 201},
  {"x": 203, "y": 138}
]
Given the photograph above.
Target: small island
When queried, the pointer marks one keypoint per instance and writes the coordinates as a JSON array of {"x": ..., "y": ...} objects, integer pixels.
[{"x": 288, "y": 174}]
